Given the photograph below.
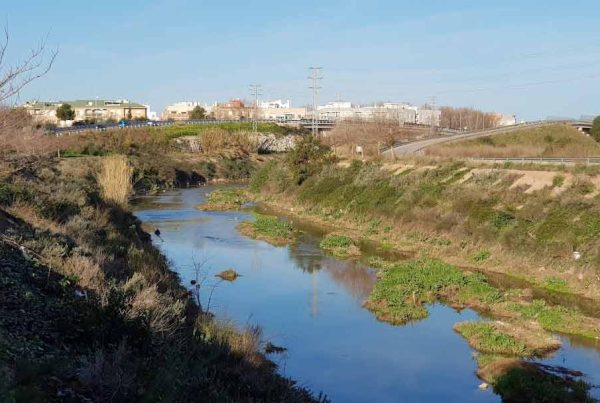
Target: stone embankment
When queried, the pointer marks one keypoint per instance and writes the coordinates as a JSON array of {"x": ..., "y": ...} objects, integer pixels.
[{"x": 263, "y": 143}]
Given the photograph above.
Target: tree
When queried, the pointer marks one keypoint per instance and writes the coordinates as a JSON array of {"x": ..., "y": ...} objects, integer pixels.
[
  {"x": 14, "y": 78},
  {"x": 595, "y": 132},
  {"x": 197, "y": 113},
  {"x": 65, "y": 112},
  {"x": 307, "y": 158}
]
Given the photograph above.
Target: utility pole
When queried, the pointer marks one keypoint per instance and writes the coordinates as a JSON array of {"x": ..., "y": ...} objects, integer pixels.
[
  {"x": 255, "y": 90},
  {"x": 432, "y": 115},
  {"x": 315, "y": 77}
]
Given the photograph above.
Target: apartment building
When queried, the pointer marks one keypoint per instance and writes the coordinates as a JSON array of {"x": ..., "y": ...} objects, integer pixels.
[{"x": 97, "y": 109}]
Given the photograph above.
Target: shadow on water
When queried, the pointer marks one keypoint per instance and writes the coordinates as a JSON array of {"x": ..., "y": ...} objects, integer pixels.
[{"x": 311, "y": 304}]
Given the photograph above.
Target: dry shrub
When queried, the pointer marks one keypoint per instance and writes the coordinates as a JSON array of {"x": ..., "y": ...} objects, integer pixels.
[
  {"x": 110, "y": 374},
  {"x": 88, "y": 273},
  {"x": 245, "y": 141},
  {"x": 163, "y": 313},
  {"x": 244, "y": 343},
  {"x": 213, "y": 139},
  {"x": 115, "y": 179},
  {"x": 18, "y": 132},
  {"x": 370, "y": 135}
]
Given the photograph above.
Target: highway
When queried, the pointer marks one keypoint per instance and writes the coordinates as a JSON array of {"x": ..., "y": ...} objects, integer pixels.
[{"x": 418, "y": 147}]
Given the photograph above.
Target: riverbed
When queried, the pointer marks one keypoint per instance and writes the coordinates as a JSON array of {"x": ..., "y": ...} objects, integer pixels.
[{"x": 311, "y": 304}]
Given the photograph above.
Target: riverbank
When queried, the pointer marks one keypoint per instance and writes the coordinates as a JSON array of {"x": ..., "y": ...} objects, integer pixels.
[
  {"x": 90, "y": 310},
  {"x": 491, "y": 219}
]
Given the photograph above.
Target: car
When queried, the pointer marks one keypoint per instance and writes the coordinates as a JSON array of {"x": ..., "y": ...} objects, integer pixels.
[{"x": 151, "y": 123}]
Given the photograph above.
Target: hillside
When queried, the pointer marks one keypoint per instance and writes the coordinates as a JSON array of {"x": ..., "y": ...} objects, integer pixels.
[{"x": 548, "y": 141}]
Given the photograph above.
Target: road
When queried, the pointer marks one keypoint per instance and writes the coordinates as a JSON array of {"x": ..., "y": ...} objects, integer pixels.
[{"x": 418, "y": 147}]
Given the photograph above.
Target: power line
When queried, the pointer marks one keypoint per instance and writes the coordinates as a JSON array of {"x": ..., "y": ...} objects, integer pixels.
[
  {"x": 315, "y": 77},
  {"x": 255, "y": 90}
]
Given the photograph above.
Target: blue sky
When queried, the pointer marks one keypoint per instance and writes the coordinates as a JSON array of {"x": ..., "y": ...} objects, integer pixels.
[{"x": 530, "y": 58}]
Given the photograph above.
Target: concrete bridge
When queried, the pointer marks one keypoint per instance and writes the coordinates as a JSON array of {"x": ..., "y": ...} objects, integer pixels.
[{"x": 418, "y": 147}]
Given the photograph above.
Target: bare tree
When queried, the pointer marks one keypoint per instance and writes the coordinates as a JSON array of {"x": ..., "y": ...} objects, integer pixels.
[{"x": 33, "y": 66}]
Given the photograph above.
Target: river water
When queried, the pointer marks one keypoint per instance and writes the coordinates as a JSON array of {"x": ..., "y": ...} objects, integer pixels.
[{"x": 311, "y": 304}]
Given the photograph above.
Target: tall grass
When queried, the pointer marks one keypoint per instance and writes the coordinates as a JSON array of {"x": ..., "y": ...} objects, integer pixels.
[{"x": 115, "y": 179}]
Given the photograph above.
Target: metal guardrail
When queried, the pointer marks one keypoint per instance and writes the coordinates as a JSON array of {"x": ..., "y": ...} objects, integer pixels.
[{"x": 546, "y": 160}]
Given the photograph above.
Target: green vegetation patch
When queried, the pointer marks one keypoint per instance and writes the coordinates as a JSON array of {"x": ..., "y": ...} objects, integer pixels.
[
  {"x": 176, "y": 131},
  {"x": 340, "y": 245},
  {"x": 507, "y": 339},
  {"x": 403, "y": 290},
  {"x": 484, "y": 337},
  {"x": 271, "y": 229},
  {"x": 556, "y": 318},
  {"x": 224, "y": 199},
  {"x": 555, "y": 284}
]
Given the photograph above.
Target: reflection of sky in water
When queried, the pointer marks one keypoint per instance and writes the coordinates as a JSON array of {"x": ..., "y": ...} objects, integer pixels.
[{"x": 311, "y": 304}]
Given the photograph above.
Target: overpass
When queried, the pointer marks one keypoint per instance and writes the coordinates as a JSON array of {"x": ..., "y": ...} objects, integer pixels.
[{"x": 419, "y": 146}]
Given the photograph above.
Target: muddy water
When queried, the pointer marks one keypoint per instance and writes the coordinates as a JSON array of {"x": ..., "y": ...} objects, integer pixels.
[{"x": 311, "y": 304}]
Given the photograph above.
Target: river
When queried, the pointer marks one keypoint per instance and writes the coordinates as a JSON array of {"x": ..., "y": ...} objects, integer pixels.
[{"x": 311, "y": 304}]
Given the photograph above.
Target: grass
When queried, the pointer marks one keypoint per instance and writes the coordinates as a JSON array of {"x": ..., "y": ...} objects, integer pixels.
[
  {"x": 340, "y": 245},
  {"x": 403, "y": 290},
  {"x": 176, "y": 131},
  {"x": 224, "y": 199},
  {"x": 484, "y": 337},
  {"x": 271, "y": 229},
  {"x": 548, "y": 141},
  {"x": 115, "y": 179},
  {"x": 507, "y": 338},
  {"x": 556, "y": 318},
  {"x": 556, "y": 284}
]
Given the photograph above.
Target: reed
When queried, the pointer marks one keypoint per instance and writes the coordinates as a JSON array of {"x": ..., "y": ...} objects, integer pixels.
[{"x": 114, "y": 179}]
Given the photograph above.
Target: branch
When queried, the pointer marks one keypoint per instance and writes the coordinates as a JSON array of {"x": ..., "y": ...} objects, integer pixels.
[{"x": 23, "y": 73}]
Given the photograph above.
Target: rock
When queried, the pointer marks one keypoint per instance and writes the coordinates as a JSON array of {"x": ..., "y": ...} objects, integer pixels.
[
  {"x": 228, "y": 275},
  {"x": 271, "y": 348},
  {"x": 483, "y": 386}
]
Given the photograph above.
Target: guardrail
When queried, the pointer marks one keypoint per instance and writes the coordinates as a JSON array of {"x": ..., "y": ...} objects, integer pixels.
[{"x": 546, "y": 160}]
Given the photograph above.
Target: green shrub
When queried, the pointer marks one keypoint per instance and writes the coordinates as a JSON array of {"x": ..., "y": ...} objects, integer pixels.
[
  {"x": 236, "y": 169},
  {"x": 306, "y": 158},
  {"x": 482, "y": 255},
  {"x": 558, "y": 181}
]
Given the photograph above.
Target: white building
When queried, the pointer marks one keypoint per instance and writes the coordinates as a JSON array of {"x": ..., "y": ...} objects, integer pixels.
[
  {"x": 278, "y": 103},
  {"x": 402, "y": 113},
  {"x": 506, "y": 120},
  {"x": 182, "y": 110}
]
